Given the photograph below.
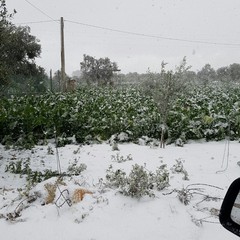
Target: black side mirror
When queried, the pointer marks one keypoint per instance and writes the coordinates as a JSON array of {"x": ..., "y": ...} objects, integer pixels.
[{"x": 230, "y": 210}]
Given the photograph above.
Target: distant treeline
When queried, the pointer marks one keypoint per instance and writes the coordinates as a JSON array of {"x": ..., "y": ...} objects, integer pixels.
[{"x": 228, "y": 74}]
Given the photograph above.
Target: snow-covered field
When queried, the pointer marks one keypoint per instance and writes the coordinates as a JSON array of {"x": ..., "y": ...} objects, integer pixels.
[{"x": 107, "y": 214}]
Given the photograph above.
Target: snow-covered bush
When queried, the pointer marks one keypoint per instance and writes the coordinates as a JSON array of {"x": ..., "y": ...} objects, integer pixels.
[
  {"x": 139, "y": 182},
  {"x": 23, "y": 168},
  {"x": 116, "y": 178},
  {"x": 75, "y": 169},
  {"x": 161, "y": 177},
  {"x": 179, "y": 168},
  {"x": 120, "y": 159}
]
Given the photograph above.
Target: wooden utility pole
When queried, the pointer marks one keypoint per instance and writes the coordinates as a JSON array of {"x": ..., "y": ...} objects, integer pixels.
[
  {"x": 59, "y": 81},
  {"x": 63, "y": 76},
  {"x": 51, "y": 81}
]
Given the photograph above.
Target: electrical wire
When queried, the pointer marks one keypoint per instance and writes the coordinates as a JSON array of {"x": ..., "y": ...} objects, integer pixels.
[
  {"x": 47, "y": 21},
  {"x": 133, "y": 33},
  {"x": 45, "y": 14},
  {"x": 154, "y": 36}
]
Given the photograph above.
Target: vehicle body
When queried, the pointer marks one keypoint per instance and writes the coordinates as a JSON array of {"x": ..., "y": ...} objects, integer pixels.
[{"x": 230, "y": 210}]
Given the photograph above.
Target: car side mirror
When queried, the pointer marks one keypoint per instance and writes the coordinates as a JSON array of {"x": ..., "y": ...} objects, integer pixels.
[{"x": 230, "y": 210}]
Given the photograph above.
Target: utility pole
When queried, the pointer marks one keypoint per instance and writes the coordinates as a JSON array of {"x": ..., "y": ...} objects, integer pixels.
[
  {"x": 51, "y": 81},
  {"x": 63, "y": 76},
  {"x": 59, "y": 81}
]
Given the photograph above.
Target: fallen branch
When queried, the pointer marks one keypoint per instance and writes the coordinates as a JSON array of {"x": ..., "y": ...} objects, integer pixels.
[
  {"x": 185, "y": 194},
  {"x": 204, "y": 184}
]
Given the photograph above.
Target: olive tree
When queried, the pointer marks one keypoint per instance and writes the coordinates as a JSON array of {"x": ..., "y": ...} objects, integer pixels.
[
  {"x": 98, "y": 71},
  {"x": 165, "y": 87}
]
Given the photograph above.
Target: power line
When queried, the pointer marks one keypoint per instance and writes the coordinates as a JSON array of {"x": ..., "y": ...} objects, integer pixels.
[
  {"x": 47, "y": 21},
  {"x": 155, "y": 36},
  {"x": 39, "y": 10}
]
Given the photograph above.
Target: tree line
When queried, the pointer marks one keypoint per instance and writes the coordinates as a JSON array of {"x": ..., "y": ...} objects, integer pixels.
[
  {"x": 206, "y": 75},
  {"x": 19, "y": 72}
]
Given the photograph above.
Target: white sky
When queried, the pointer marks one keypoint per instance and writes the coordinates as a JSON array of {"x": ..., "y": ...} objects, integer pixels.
[{"x": 214, "y": 21}]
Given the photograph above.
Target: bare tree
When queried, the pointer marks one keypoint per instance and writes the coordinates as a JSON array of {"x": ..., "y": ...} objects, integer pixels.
[{"x": 165, "y": 88}]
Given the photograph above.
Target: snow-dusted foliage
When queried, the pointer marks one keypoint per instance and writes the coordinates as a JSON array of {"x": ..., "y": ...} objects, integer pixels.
[
  {"x": 210, "y": 112},
  {"x": 89, "y": 114},
  {"x": 96, "y": 114},
  {"x": 139, "y": 182}
]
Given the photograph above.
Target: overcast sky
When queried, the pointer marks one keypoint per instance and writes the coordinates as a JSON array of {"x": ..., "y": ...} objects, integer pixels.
[{"x": 205, "y": 31}]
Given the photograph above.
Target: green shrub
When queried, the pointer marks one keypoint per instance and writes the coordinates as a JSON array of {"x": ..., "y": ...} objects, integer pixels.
[
  {"x": 75, "y": 169},
  {"x": 139, "y": 182},
  {"x": 23, "y": 168}
]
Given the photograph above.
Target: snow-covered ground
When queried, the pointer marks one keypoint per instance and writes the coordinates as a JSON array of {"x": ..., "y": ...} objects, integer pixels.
[{"x": 106, "y": 214}]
